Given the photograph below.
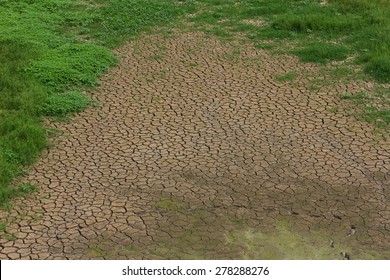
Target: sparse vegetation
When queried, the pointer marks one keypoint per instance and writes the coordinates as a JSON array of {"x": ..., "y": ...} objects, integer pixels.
[
  {"x": 318, "y": 31},
  {"x": 378, "y": 115},
  {"x": 290, "y": 76},
  {"x": 3, "y": 226},
  {"x": 285, "y": 242},
  {"x": 350, "y": 32},
  {"x": 52, "y": 50}
]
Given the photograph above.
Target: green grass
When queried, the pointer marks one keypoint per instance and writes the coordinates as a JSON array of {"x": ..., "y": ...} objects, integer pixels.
[
  {"x": 321, "y": 52},
  {"x": 3, "y": 227},
  {"x": 71, "y": 66},
  {"x": 377, "y": 115},
  {"x": 118, "y": 20},
  {"x": 290, "y": 76},
  {"x": 61, "y": 104}
]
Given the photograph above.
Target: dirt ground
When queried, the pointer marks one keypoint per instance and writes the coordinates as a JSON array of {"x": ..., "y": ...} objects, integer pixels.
[{"x": 197, "y": 151}]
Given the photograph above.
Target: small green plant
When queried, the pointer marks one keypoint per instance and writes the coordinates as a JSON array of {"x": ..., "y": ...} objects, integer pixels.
[
  {"x": 321, "y": 52},
  {"x": 10, "y": 236},
  {"x": 3, "y": 226},
  {"x": 371, "y": 114},
  {"x": 51, "y": 132},
  {"x": 264, "y": 46},
  {"x": 72, "y": 65},
  {"x": 346, "y": 95},
  {"x": 334, "y": 109},
  {"x": 290, "y": 76},
  {"x": 233, "y": 55},
  {"x": 379, "y": 67},
  {"x": 169, "y": 205},
  {"x": 65, "y": 103},
  {"x": 27, "y": 188},
  {"x": 156, "y": 57}
]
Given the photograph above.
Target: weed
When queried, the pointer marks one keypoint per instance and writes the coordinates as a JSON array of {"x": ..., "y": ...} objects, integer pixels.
[
  {"x": 61, "y": 104},
  {"x": 334, "y": 109},
  {"x": 264, "y": 46},
  {"x": 71, "y": 65},
  {"x": 290, "y": 76},
  {"x": 339, "y": 73},
  {"x": 37, "y": 217},
  {"x": 27, "y": 188},
  {"x": 51, "y": 132},
  {"x": 321, "y": 52},
  {"x": 233, "y": 55},
  {"x": 169, "y": 205},
  {"x": 10, "y": 236},
  {"x": 346, "y": 95},
  {"x": 3, "y": 226},
  {"x": 379, "y": 67},
  {"x": 155, "y": 57}
]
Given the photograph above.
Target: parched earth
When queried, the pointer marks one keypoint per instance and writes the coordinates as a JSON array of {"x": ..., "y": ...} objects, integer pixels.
[{"x": 197, "y": 151}]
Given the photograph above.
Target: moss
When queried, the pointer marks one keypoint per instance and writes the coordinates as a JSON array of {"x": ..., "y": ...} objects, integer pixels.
[{"x": 169, "y": 205}]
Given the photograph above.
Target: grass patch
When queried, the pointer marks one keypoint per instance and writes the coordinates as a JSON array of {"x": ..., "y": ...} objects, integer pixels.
[
  {"x": 61, "y": 104},
  {"x": 71, "y": 66},
  {"x": 379, "y": 67},
  {"x": 371, "y": 107},
  {"x": 169, "y": 205},
  {"x": 10, "y": 236},
  {"x": 264, "y": 46},
  {"x": 27, "y": 188},
  {"x": 117, "y": 20},
  {"x": 290, "y": 76},
  {"x": 3, "y": 226},
  {"x": 321, "y": 52}
]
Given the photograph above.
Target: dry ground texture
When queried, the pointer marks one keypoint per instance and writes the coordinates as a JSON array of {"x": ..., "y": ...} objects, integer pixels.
[{"x": 199, "y": 151}]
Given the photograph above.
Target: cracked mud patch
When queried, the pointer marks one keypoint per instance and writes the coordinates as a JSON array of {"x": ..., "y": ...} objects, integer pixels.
[{"x": 198, "y": 151}]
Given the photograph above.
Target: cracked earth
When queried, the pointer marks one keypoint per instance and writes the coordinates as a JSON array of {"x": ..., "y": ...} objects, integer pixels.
[{"x": 197, "y": 151}]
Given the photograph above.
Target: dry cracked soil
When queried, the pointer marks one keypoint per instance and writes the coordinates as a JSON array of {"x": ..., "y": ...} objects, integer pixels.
[{"x": 197, "y": 151}]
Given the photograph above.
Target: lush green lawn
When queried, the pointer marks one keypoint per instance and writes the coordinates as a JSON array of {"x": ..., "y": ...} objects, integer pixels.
[{"x": 51, "y": 50}]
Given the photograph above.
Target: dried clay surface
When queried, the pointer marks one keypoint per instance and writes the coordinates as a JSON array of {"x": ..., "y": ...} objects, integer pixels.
[{"x": 197, "y": 152}]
